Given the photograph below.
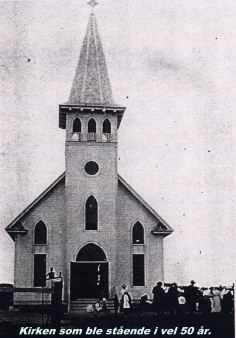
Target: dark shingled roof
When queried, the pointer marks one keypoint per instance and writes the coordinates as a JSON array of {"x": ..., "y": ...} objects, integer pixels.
[{"x": 91, "y": 85}]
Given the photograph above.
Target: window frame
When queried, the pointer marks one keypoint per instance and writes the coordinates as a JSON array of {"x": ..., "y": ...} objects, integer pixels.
[
  {"x": 96, "y": 260},
  {"x": 106, "y": 119},
  {"x": 90, "y": 119},
  {"x": 34, "y": 234},
  {"x": 144, "y": 270},
  {"x": 89, "y": 175},
  {"x": 132, "y": 234},
  {"x": 34, "y": 272},
  {"x": 73, "y": 122},
  {"x": 85, "y": 213}
]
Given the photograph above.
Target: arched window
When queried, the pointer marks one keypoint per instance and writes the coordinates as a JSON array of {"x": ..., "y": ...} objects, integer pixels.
[
  {"x": 138, "y": 233},
  {"x": 91, "y": 252},
  {"x": 40, "y": 233},
  {"x": 106, "y": 127},
  {"x": 92, "y": 126},
  {"x": 91, "y": 218},
  {"x": 92, "y": 130},
  {"x": 106, "y": 130},
  {"x": 77, "y": 126}
]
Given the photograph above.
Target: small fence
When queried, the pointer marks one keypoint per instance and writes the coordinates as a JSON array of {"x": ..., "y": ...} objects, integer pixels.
[{"x": 55, "y": 313}]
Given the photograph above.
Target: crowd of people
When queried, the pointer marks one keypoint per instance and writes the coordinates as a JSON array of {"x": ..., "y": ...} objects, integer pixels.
[
  {"x": 172, "y": 299},
  {"x": 180, "y": 299},
  {"x": 99, "y": 306}
]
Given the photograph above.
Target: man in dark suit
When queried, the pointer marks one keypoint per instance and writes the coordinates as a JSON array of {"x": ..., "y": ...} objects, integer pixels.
[{"x": 158, "y": 298}]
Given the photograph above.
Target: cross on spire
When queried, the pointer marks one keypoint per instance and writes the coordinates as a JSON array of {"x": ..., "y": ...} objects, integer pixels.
[{"x": 92, "y": 3}]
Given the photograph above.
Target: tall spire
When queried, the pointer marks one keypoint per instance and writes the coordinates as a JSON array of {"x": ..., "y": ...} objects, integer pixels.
[{"x": 91, "y": 83}]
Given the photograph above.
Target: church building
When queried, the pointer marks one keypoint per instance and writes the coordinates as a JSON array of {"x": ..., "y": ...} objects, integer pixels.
[{"x": 89, "y": 224}]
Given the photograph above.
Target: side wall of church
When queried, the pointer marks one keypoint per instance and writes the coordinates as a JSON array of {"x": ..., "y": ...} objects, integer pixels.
[
  {"x": 50, "y": 210},
  {"x": 129, "y": 211}
]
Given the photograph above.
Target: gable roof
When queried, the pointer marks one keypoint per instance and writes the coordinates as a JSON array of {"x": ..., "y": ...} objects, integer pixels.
[
  {"x": 162, "y": 228},
  {"x": 15, "y": 226}
]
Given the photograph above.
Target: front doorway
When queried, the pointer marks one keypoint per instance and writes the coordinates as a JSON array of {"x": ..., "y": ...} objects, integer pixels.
[{"x": 89, "y": 274}]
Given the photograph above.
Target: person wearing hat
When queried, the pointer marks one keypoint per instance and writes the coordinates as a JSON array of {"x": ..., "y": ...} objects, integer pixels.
[
  {"x": 158, "y": 298},
  {"x": 173, "y": 295},
  {"x": 191, "y": 297}
]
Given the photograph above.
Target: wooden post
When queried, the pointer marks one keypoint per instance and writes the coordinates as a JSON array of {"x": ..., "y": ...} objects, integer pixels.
[{"x": 56, "y": 305}]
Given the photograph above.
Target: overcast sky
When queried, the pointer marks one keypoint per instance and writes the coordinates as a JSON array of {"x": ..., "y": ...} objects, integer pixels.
[{"x": 172, "y": 64}]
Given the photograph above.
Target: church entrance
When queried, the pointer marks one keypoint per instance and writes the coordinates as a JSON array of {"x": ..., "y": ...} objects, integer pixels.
[{"x": 89, "y": 274}]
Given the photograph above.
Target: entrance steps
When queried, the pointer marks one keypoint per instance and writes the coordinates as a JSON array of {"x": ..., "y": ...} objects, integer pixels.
[{"x": 79, "y": 306}]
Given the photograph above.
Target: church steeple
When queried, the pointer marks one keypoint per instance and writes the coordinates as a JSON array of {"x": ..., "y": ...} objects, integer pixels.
[
  {"x": 91, "y": 83},
  {"x": 91, "y": 90}
]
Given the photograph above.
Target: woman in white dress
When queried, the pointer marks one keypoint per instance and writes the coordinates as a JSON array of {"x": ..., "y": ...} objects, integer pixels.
[
  {"x": 216, "y": 301},
  {"x": 126, "y": 302}
]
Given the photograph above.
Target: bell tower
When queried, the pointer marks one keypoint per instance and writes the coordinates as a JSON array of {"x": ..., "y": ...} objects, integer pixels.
[{"x": 91, "y": 119}]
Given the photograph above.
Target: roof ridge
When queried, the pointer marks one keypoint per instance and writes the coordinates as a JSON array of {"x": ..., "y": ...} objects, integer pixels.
[
  {"x": 62, "y": 176},
  {"x": 145, "y": 204},
  {"x": 36, "y": 200}
]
